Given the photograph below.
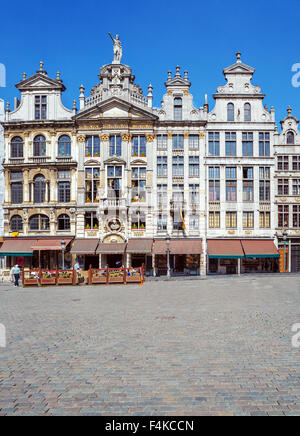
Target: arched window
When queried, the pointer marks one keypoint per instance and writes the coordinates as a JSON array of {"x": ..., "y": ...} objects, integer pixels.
[
  {"x": 230, "y": 112},
  {"x": 39, "y": 146},
  {"x": 247, "y": 112},
  {"x": 16, "y": 147},
  {"x": 64, "y": 222},
  {"x": 39, "y": 191},
  {"x": 64, "y": 146},
  {"x": 290, "y": 138},
  {"x": 39, "y": 222},
  {"x": 16, "y": 223},
  {"x": 177, "y": 108}
]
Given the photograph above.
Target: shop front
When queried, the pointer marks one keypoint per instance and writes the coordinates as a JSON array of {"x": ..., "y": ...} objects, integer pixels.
[
  {"x": 84, "y": 252},
  {"x": 295, "y": 255},
  {"x": 185, "y": 256},
  {"x": 139, "y": 252},
  {"x": 224, "y": 256},
  {"x": 18, "y": 251},
  {"x": 261, "y": 256},
  {"x": 111, "y": 254}
]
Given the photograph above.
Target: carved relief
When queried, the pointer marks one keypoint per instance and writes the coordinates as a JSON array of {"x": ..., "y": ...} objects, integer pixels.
[{"x": 81, "y": 138}]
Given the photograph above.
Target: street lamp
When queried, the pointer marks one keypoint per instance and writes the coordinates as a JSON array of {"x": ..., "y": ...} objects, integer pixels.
[
  {"x": 63, "y": 247},
  {"x": 285, "y": 235},
  {"x": 168, "y": 239}
]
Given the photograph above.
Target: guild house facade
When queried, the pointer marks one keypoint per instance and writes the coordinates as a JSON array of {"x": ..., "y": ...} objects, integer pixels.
[{"x": 116, "y": 181}]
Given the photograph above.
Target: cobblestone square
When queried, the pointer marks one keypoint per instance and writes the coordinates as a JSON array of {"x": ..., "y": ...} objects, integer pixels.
[{"x": 192, "y": 347}]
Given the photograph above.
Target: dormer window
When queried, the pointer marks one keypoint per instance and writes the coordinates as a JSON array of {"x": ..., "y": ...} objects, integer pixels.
[
  {"x": 178, "y": 109},
  {"x": 290, "y": 138},
  {"x": 40, "y": 107},
  {"x": 247, "y": 112},
  {"x": 230, "y": 112}
]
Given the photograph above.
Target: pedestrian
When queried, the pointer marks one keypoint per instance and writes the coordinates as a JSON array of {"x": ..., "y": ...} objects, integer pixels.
[
  {"x": 16, "y": 274},
  {"x": 77, "y": 268}
]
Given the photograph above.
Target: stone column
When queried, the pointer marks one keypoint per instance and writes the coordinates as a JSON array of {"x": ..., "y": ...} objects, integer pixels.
[{"x": 26, "y": 185}]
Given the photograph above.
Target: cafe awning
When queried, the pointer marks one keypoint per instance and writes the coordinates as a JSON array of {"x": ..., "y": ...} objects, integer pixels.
[
  {"x": 186, "y": 246},
  {"x": 104, "y": 248},
  {"x": 17, "y": 247},
  {"x": 160, "y": 246},
  {"x": 49, "y": 244},
  {"x": 139, "y": 246},
  {"x": 259, "y": 248},
  {"x": 224, "y": 249},
  {"x": 84, "y": 246}
]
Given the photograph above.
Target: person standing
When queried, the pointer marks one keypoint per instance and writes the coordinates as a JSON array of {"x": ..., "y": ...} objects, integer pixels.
[{"x": 16, "y": 275}]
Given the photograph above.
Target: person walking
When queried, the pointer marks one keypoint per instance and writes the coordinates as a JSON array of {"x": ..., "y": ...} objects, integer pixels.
[{"x": 16, "y": 275}]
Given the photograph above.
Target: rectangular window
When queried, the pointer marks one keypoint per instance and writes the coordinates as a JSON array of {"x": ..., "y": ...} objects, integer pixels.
[
  {"x": 230, "y": 144},
  {"x": 162, "y": 222},
  {"x": 283, "y": 163},
  {"x": 92, "y": 146},
  {"x": 194, "y": 166},
  {"x": 248, "y": 220},
  {"x": 178, "y": 166},
  {"x": 115, "y": 145},
  {"x": 231, "y": 220},
  {"x": 283, "y": 216},
  {"x": 139, "y": 146},
  {"x": 194, "y": 194},
  {"x": 91, "y": 221},
  {"x": 214, "y": 144},
  {"x": 40, "y": 107},
  {"x": 114, "y": 181},
  {"x": 194, "y": 222},
  {"x": 162, "y": 166},
  {"x": 92, "y": 185},
  {"x": 247, "y": 144},
  {"x": 162, "y": 195},
  {"x": 193, "y": 142},
  {"x": 264, "y": 220},
  {"x": 64, "y": 174},
  {"x": 214, "y": 220},
  {"x": 296, "y": 216},
  {"x": 231, "y": 184},
  {"x": 16, "y": 178},
  {"x": 64, "y": 192},
  {"x": 283, "y": 186},
  {"x": 138, "y": 183},
  {"x": 296, "y": 187},
  {"x": 214, "y": 183},
  {"x": 248, "y": 184},
  {"x": 178, "y": 193},
  {"x": 162, "y": 142},
  {"x": 264, "y": 144},
  {"x": 264, "y": 184},
  {"x": 177, "y": 142},
  {"x": 296, "y": 163},
  {"x": 178, "y": 109}
]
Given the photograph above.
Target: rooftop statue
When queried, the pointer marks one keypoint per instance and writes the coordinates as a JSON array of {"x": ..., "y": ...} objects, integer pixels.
[{"x": 117, "y": 49}]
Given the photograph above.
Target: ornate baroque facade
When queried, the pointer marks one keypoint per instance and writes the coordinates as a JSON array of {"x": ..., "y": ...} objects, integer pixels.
[{"x": 118, "y": 170}]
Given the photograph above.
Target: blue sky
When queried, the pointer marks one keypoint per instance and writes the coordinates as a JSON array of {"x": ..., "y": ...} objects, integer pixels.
[{"x": 202, "y": 37}]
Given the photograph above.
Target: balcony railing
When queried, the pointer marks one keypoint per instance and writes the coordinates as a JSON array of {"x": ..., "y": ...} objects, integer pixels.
[{"x": 39, "y": 159}]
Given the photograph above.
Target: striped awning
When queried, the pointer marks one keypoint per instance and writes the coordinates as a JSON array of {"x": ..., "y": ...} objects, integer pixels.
[
  {"x": 17, "y": 247},
  {"x": 259, "y": 248},
  {"x": 224, "y": 249},
  {"x": 186, "y": 246},
  {"x": 139, "y": 246},
  {"x": 111, "y": 248},
  {"x": 160, "y": 246},
  {"x": 84, "y": 246},
  {"x": 50, "y": 244}
]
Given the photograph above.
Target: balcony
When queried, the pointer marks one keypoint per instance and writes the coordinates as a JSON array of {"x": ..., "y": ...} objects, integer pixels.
[
  {"x": 112, "y": 203},
  {"x": 39, "y": 159}
]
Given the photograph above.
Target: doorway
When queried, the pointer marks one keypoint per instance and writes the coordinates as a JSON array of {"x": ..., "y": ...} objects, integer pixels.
[{"x": 114, "y": 260}]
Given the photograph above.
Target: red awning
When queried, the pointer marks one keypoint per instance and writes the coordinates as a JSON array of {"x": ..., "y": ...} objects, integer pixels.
[
  {"x": 224, "y": 249},
  {"x": 139, "y": 246},
  {"x": 17, "y": 247},
  {"x": 186, "y": 246},
  {"x": 111, "y": 248},
  {"x": 259, "y": 248},
  {"x": 160, "y": 246},
  {"x": 84, "y": 246},
  {"x": 50, "y": 244}
]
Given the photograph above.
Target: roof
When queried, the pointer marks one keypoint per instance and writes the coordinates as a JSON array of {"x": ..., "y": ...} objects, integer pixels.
[
  {"x": 84, "y": 246},
  {"x": 259, "y": 248},
  {"x": 224, "y": 249},
  {"x": 143, "y": 246}
]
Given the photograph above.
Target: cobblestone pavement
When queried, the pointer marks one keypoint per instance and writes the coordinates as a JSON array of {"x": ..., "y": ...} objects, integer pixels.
[{"x": 220, "y": 347}]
